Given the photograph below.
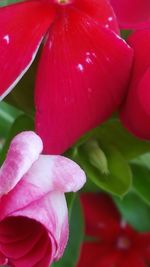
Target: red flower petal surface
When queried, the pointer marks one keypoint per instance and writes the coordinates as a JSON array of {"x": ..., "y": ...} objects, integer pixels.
[
  {"x": 132, "y": 260},
  {"x": 90, "y": 253},
  {"x": 144, "y": 243},
  {"x": 102, "y": 219},
  {"x": 22, "y": 28},
  {"x": 51, "y": 212},
  {"x": 100, "y": 11},
  {"x": 135, "y": 112},
  {"x": 132, "y": 14},
  {"x": 79, "y": 83},
  {"x": 27, "y": 250}
]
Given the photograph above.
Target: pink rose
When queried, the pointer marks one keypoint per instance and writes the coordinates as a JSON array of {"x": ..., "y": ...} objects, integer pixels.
[{"x": 33, "y": 210}]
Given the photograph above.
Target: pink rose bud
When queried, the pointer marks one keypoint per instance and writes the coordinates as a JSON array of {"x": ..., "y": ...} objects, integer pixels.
[{"x": 33, "y": 210}]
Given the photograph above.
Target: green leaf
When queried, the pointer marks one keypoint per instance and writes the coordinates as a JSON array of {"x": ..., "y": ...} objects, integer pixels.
[
  {"x": 113, "y": 133},
  {"x": 22, "y": 123},
  {"x": 70, "y": 198},
  {"x": 8, "y": 2},
  {"x": 141, "y": 181},
  {"x": 7, "y": 117},
  {"x": 135, "y": 211},
  {"x": 72, "y": 251},
  {"x": 22, "y": 95},
  {"x": 117, "y": 181}
]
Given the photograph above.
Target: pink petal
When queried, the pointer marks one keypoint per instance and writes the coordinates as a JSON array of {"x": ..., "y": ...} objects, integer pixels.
[
  {"x": 100, "y": 11},
  {"x": 24, "y": 150},
  {"x": 55, "y": 173},
  {"x": 79, "y": 84},
  {"x": 135, "y": 112},
  {"x": 21, "y": 33},
  {"x": 133, "y": 14},
  {"x": 51, "y": 212},
  {"x": 48, "y": 173}
]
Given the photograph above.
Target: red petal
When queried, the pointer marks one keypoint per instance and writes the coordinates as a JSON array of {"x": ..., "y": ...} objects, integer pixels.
[
  {"x": 109, "y": 260},
  {"x": 79, "y": 83},
  {"x": 144, "y": 243},
  {"x": 31, "y": 242},
  {"x": 90, "y": 254},
  {"x": 22, "y": 28},
  {"x": 132, "y": 260},
  {"x": 101, "y": 216},
  {"x": 19, "y": 248},
  {"x": 132, "y": 14},
  {"x": 45, "y": 261},
  {"x": 135, "y": 112},
  {"x": 100, "y": 11},
  {"x": 35, "y": 255}
]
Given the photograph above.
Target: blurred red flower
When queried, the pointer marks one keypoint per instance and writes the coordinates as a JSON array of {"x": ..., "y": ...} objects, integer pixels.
[
  {"x": 84, "y": 67},
  {"x": 133, "y": 14},
  {"x": 113, "y": 242},
  {"x": 135, "y": 110}
]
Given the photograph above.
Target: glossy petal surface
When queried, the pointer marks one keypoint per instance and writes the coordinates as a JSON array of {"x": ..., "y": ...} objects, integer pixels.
[
  {"x": 24, "y": 150},
  {"x": 21, "y": 33},
  {"x": 100, "y": 11},
  {"x": 135, "y": 112},
  {"x": 79, "y": 84},
  {"x": 133, "y": 14}
]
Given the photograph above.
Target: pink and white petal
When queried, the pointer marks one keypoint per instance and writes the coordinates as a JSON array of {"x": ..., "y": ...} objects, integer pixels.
[
  {"x": 21, "y": 33},
  {"x": 55, "y": 173},
  {"x": 133, "y": 14},
  {"x": 48, "y": 173},
  {"x": 51, "y": 211},
  {"x": 101, "y": 11},
  {"x": 135, "y": 111},
  {"x": 79, "y": 84},
  {"x": 24, "y": 150}
]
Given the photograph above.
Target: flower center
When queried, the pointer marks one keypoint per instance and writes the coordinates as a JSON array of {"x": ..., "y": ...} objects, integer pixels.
[
  {"x": 63, "y": 2},
  {"x": 123, "y": 243}
]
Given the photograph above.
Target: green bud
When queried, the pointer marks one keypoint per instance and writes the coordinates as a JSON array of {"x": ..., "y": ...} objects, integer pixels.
[{"x": 96, "y": 156}]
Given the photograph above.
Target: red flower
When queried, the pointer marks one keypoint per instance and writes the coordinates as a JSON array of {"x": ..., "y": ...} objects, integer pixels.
[
  {"x": 84, "y": 67},
  {"x": 135, "y": 112},
  {"x": 114, "y": 242},
  {"x": 133, "y": 14}
]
